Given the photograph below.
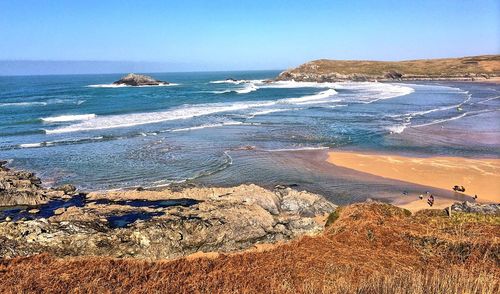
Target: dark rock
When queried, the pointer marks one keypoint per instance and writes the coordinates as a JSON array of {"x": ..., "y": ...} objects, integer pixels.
[
  {"x": 139, "y": 80},
  {"x": 393, "y": 75}
]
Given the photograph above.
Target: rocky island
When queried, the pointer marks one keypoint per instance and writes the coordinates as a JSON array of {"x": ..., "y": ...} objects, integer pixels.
[
  {"x": 484, "y": 67},
  {"x": 136, "y": 80}
]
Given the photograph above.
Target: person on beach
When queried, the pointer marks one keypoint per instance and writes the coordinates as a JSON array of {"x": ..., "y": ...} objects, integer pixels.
[
  {"x": 430, "y": 200},
  {"x": 421, "y": 197},
  {"x": 475, "y": 197}
]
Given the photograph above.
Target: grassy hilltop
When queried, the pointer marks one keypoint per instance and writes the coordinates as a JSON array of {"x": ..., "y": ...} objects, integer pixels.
[{"x": 465, "y": 68}]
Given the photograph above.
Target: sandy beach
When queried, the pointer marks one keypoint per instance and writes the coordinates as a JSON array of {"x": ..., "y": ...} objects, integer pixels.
[{"x": 479, "y": 176}]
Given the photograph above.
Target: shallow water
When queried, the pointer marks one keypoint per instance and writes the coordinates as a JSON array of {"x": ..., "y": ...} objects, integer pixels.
[
  {"x": 77, "y": 129},
  {"x": 118, "y": 220}
]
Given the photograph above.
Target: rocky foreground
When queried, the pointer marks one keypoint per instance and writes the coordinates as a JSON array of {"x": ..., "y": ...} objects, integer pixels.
[
  {"x": 366, "y": 248},
  {"x": 136, "y": 80},
  {"x": 24, "y": 188},
  {"x": 153, "y": 224},
  {"x": 461, "y": 69}
]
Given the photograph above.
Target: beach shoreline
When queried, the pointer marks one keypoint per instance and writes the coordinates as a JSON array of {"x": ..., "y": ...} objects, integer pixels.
[{"x": 479, "y": 176}]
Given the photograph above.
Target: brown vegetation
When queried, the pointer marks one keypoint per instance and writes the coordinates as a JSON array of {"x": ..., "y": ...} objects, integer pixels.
[
  {"x": 367, "y": 248},
  {"x": 474, "y": 66}
]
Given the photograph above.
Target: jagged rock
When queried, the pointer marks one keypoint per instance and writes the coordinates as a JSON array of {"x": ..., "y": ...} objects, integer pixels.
[
  {"x": 224, "y": 219},
  {"x": 471, "y": 207},
  {"x": 67, "y": 189},
  {"x": 139, "y": 80},
  {"x": 23, "y": 188}
]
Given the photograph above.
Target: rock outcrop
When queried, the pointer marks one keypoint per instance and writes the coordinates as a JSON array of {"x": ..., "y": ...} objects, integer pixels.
[
  {"x": 460, "y": 69},
  {"x": 221, "y": 219},
  {"x": 24, "y": 188},
  {"x": 139, "y": 80},
  {"x": 472, "y": 207}
]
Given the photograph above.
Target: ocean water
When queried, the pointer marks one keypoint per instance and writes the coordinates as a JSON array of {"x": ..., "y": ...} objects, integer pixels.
[{"x": 80, "y": 129}]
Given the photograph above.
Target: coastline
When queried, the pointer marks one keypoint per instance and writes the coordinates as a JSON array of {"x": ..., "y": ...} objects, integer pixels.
[{"x": 479, "y": 176}]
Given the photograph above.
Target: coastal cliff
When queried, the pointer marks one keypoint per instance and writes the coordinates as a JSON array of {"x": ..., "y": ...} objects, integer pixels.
[{"x": 461, "y": 69}]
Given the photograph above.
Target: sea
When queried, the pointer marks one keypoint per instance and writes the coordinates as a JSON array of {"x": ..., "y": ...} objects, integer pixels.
[{"x": 226, "y": 128}]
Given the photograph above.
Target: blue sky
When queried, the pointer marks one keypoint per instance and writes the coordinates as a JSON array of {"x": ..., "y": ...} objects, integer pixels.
[{"x": 211, "y": 35}]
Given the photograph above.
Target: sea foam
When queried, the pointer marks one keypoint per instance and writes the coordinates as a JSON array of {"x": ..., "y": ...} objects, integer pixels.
[
  {"x": 376, "y": 91},
  {"x": 65, "y": 118},
  {"x": 18, "y": 104}
]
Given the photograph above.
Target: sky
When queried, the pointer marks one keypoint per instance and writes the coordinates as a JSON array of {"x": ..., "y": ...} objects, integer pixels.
[{"x": 238, "y": 35}]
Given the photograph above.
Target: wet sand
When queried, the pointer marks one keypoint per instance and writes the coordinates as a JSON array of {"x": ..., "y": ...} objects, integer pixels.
[{"x": 478, "y": 176}]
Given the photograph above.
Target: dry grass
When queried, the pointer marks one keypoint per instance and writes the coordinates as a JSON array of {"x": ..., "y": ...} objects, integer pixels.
[
  {"x": 486, "y": 64},
  {"x": 369, "y": 248}
]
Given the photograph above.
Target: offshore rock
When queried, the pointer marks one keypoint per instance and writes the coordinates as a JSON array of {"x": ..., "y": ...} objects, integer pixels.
[{"x": 139, "y": 80}]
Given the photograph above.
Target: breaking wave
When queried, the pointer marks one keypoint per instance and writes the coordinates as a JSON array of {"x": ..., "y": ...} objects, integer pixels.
[
  {"x": 41, "y": 103},
  {"x": 61, "y": 142},
  {"x": 376, "y": 92},
  {"x": 65, "y": 118},
  {"x": 205, "y": 126}
]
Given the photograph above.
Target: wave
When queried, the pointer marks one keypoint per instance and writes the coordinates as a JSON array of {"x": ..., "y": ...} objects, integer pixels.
[
  {"x": 297, "y": 149},
  {"x": 438, "y": 121},
  {"x": 127, "y": 86},
  {"x": 293, "y": 84},
  {"x": 190, "y": 111},
  {"x": 42, "y": 103},
  {"x": 228, "y": 81},
  {"x": 398, "y": 129},
  {"x": 231, "y": 123},
  {"x": 62, "y": 142},
  {"x": 368, "y": 92},
  {"x": 424, "y": 112},
  {"x": 65, "y": 118},
  {"x": 128, "y": 120},
  {"x": 488, "y": 99},
  {"x": 309, "y": 98},
  {"x": 407, "y": 117},
  {"x": 364, "y": 92},
  {"x": 222, "y": 92},
  {"x": 249, "y": 88},
  {"x": 335, "y": 106},
  {"x": 32, "y": 145},
  {"x": 17, "y": 104},
  {"x": 268, "y": 111}
]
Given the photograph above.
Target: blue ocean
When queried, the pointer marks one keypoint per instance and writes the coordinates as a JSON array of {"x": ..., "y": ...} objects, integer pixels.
[{"x": 225, "y": 128}]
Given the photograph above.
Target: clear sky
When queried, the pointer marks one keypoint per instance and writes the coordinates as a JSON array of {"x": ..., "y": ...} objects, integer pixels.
[{"x": 254, "y": 34}]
